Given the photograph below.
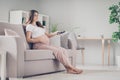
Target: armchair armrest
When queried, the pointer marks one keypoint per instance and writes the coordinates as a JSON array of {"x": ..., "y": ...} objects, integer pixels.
[
  {"x": 55, "y": 40},
  {"x": 14, "y": 46}
]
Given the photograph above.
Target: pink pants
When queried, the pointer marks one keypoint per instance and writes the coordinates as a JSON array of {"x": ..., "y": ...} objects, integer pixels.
[{"x": 59, "y": 52}]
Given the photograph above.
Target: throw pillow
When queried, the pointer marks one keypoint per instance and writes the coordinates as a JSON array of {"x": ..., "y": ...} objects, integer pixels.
[
  {"x": 64, "y": 40},
  {"x": 72, "y": 41}
]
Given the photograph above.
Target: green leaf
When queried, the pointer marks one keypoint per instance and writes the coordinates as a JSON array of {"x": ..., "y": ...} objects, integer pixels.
[
  {"x": 54, "y": 27},
  {"x": 113, "y": 18},
  {"x": 116, "y": 36}
]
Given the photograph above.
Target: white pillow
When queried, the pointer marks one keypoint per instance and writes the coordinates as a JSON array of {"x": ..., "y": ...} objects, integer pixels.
[
  {"x": 72, "y": 41},
  {"x": 64, "y": 40},
  {"x": 9, "y": 32}
]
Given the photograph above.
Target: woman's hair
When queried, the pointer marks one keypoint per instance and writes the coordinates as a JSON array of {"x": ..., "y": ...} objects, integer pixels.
[
  {"x": 38, "y": 23},
  {"x": 31, "y": 17}
]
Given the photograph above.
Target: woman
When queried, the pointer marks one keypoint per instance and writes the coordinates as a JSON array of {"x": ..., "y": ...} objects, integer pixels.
[{"x": 35, "y": 33}]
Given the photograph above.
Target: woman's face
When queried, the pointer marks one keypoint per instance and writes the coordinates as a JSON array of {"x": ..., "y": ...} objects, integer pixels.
[{"x": 35, "y": 17}]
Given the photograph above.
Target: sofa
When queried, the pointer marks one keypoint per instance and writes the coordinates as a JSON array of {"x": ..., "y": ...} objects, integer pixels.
[{"x": 23, "y": 61}]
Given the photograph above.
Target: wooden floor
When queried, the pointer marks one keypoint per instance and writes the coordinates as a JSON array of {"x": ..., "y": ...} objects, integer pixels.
[{"x": 90, "y": 73}]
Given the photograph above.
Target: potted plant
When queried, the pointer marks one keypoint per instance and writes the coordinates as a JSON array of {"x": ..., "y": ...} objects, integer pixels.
[
  {"x": 54, "y": 27},
  {"x": 115, "y": 18}
]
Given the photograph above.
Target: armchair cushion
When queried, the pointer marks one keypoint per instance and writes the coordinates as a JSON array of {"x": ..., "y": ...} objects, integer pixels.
[{"x": 38, "y": 55}]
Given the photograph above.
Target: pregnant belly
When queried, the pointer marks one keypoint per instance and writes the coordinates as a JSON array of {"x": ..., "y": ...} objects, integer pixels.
[{"x": 44, "y": 39}]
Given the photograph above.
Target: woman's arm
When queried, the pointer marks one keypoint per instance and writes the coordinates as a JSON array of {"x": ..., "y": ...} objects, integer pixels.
[
  {"x": 32, "y": 40},
  {"x": 51, "y": 34}
]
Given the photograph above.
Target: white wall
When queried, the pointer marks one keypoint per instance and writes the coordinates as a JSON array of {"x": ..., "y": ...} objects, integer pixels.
[
  {"x": 90, "y": 15},
  {"x": 7, "y": 5},
  {"x": 92, "y": 18}
]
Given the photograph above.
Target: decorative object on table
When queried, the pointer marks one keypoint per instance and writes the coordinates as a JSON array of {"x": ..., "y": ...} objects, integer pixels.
[
  {"x": 102, "y": 36},
  {"x": 115, "y": 18}
]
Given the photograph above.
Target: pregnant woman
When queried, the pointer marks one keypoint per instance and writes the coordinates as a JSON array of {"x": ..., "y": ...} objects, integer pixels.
[{"x": 35, "y": 33}]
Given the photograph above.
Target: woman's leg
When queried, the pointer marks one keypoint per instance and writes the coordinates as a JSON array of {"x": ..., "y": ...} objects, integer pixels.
[{"x": 61, "y": 55}]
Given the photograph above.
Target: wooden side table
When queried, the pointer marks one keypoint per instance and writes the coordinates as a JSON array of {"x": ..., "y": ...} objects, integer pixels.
[
  {"x": 103, "y": 46},
  {"x": 109, "y": 46},
  {"x": 103, "y": 50},
  {"x": 3, "y": 64}
]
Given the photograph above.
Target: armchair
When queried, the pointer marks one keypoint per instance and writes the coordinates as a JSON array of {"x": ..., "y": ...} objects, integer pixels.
[{"x": 21, "y": 60}]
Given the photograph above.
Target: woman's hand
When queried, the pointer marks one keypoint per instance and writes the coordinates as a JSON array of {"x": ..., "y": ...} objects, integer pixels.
[
  {"x": 60, "y": 32},
  {"x": 51, "y": 34},
  {"x": 56, "y": 32}
]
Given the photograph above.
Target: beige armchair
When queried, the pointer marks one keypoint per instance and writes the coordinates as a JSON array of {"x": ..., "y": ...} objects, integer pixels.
[{"x": 22, "y": 61}]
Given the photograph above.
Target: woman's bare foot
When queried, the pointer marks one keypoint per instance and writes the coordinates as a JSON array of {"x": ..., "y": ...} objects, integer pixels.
[
  {"x": 71, "y": 69},
  {"x": 78, "y": 70},
  {"x": 74, "y": 70}
]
